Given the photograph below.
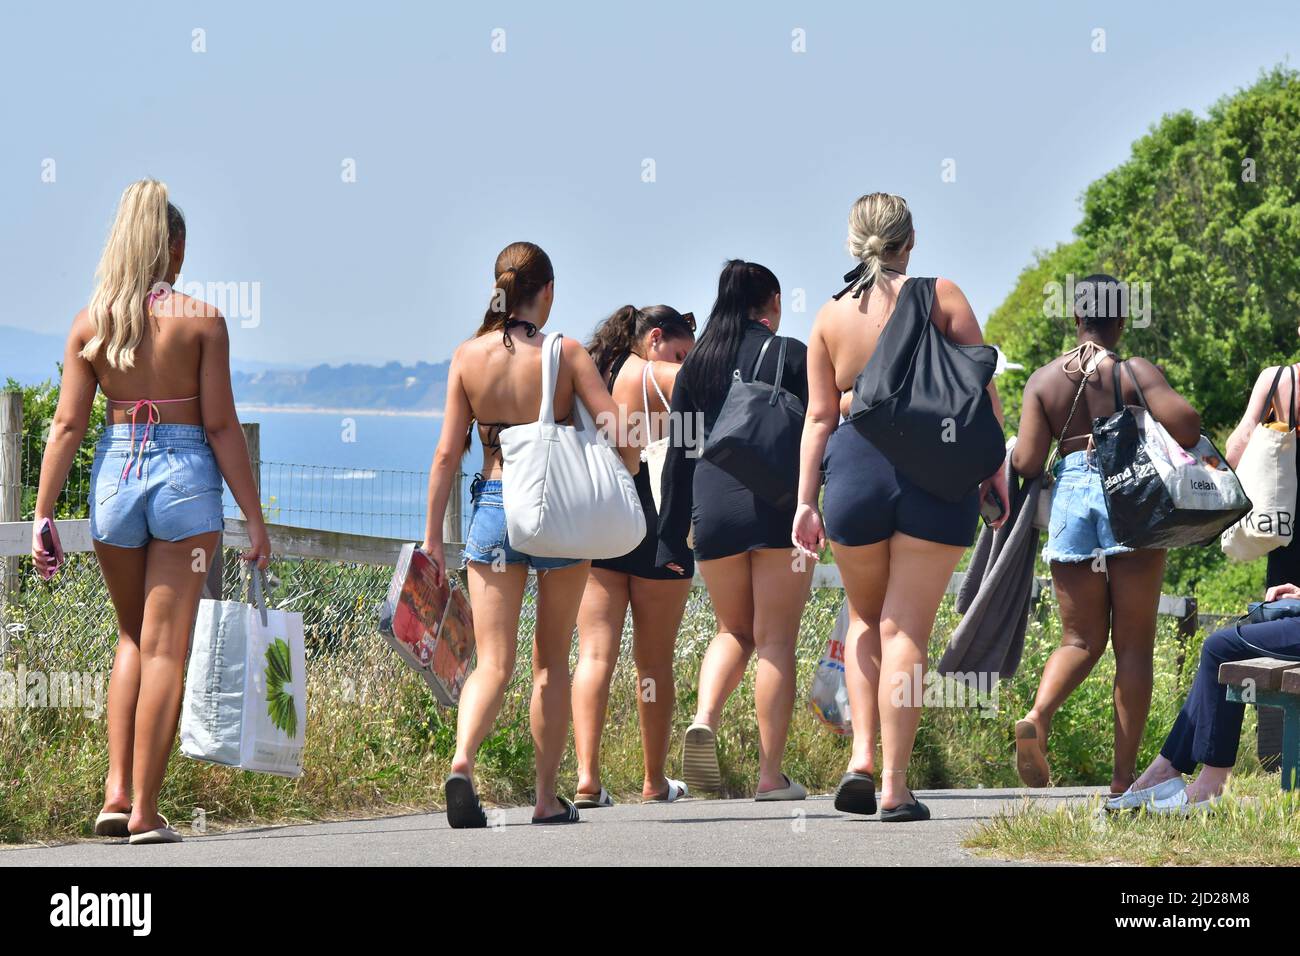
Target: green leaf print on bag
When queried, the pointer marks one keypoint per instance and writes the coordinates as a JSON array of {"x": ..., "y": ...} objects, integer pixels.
[{"x": 279, "y": 675}]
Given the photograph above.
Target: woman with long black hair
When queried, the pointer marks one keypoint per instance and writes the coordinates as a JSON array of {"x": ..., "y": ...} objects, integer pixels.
[{"x": 757, "y": 584}]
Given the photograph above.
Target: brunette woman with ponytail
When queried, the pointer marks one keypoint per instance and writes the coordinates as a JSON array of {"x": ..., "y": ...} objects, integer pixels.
[
  {"x": 495, "y": 381},
  {"x": 638, "y": 352},
  {"x": 757, "y": 583},
  {"x": 162, "y": 360}
]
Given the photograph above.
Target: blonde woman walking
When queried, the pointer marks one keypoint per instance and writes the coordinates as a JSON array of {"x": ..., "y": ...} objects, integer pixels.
[{"x": 162, "y": 360}]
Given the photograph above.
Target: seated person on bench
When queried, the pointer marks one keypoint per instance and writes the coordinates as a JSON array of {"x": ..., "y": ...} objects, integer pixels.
[{"x": 1208, "y": 728}]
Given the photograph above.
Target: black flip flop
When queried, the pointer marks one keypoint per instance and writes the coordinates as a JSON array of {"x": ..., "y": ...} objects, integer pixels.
[
  {"x": 906, "y": 812},
  {"x": 464, "y": 812},
  {"x": 856, "y": 794},
  {"x": 568, "y": 815}
]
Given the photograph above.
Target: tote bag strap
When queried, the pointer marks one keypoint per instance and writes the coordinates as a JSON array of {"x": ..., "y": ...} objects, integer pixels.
[
  {"x": 550, "y": 374},
  {"x": 758, "y": 362},
  {"x": 1119, "y": 392},
  {"x": 647, "y": 377},
  {"x": 1267, "y": 415}
]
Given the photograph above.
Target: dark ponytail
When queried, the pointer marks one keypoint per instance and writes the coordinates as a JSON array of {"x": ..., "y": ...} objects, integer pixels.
[
  {"x": 522, "y": 271},
  {"x": 621, "y": 332},
  {"x": 745, "y": 289}
]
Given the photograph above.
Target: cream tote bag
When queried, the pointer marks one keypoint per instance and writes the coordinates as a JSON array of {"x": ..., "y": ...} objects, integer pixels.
[
  {"x": 1268, "y": 474},
  {"x": 565, "y": 489},
  {"x": 656, "y": 452}
]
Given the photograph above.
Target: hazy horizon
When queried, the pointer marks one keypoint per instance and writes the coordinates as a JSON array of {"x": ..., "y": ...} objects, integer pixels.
[{"x": 758, "y": 150}]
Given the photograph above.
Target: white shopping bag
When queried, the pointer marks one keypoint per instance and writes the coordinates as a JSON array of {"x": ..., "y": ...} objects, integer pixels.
[
  {"x": 829, "y": 697},
  {"x": 246, "y": 688}
]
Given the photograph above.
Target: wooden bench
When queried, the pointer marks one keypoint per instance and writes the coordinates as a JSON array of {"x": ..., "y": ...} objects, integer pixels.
[{"x": 1272, "y": 683}]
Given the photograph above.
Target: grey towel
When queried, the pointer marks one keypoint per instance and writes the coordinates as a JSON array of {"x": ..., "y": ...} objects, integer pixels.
[{"x": 995, "y": 596}]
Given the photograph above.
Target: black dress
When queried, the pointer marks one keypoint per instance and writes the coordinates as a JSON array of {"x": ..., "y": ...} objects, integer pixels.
[
  {"x": 728, "y": 517},
  {"x": 640, "y": 561}
]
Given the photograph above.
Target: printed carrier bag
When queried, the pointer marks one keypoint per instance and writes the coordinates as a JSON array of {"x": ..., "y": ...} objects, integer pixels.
[
  {"x": 246, "y": 688},
  {"x": 829, "y": 697},
  {"x": 430, "y": 625},
  {"x": 1268, "y": 475},
  {"x": 1158, "y": 494}
]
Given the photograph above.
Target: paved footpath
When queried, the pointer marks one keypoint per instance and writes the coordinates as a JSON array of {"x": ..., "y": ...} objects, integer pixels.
[{"x": 692, "y": 832}]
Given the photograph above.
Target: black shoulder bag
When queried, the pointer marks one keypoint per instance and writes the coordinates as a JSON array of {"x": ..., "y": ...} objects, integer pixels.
[
  {"x": 923, "y": 401},
  {"x": 755, "y": 438}
]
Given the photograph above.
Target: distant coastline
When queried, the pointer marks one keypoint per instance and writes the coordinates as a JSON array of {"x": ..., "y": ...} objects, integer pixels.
[{"x": 317, "y": 410}]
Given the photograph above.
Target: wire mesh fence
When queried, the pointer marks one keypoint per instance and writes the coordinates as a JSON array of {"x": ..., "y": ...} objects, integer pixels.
[{"x": 68, "y": 624}]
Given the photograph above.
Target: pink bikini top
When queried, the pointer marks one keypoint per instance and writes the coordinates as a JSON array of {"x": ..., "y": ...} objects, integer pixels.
[{"x": 152, "y": 417}]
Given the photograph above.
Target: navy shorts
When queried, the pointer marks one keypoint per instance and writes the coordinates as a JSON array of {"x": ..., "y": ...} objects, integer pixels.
[{"x": 866, "y": 500}]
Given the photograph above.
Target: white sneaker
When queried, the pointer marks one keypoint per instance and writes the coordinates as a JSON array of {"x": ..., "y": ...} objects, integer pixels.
[
  {"x": 1132, "y": 799},
  {"x": 1179, "y": 805}
]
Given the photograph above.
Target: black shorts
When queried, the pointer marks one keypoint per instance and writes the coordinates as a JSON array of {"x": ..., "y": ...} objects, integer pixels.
[
  {"x": 866, "y": 500},
  {"x": 640, "y": 561}
]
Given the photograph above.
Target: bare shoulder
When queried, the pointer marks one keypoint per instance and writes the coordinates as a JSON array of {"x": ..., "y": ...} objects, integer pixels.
[
  {"x": 1146, "y": 371},
  {"x": 951, "y": 308},
  {"x": 82, "y": 330}
]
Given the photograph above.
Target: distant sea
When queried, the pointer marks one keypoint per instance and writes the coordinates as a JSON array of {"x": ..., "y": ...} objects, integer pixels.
[{"x": 360, "y": 472}]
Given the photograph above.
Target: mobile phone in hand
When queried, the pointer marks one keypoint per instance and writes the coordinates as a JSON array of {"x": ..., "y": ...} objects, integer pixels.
[
  {"x": 991, "y": 507},
  {"x": 50, "y": 546}
]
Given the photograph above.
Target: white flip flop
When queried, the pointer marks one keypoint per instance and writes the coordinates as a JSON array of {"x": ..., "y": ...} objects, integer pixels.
[
  {"x": 677, "y": 790},
  {"x": 162, "y": 834},
  {"x": 112, "y": 824}
]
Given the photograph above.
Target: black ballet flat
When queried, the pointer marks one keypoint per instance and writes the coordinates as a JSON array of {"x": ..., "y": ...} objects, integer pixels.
[
  {"x": 856, "y": 794},
  {"x": 906, "y": 812}
]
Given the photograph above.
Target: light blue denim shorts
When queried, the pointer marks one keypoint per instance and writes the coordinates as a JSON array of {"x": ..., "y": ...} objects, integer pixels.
[
  {"x": 486, "y": 540},
  {"x": 168, "y": 487},
  {"x": 1079, "y": 529}
]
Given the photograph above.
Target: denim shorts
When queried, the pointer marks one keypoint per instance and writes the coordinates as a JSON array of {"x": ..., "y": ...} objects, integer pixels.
[
  {"x": 1079, "y": 529},
  {"x": 167, "y": 487},
  {"x": 486, "y": 540}
]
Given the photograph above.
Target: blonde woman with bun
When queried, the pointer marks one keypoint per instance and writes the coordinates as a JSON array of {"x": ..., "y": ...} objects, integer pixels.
[
  {"x": 895, "y": 544},
  {"x": 162, "y": 360}
]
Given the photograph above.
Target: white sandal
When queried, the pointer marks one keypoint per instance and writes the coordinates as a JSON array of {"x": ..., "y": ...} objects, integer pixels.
[
  {"x": 112, "y": 824},
  {"x": 791, "y": 791},
  {"x": 677, "y": 790},
  {"x": 162, "y": 834},
  {"x": 585, "y": 801}
]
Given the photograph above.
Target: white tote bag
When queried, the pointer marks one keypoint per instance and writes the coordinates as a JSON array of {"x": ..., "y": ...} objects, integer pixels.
[
  {"x": 565, "y": 490},
  {"x": 246, "y": 688},
  {"x": 1268, "y": 474}
]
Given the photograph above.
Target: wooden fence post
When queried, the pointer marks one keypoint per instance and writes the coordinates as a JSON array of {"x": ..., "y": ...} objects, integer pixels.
[
  {"x": 253, "y": 439},
  {"x": 453, "y": 521},
  {"x": 11, "y": 482}
]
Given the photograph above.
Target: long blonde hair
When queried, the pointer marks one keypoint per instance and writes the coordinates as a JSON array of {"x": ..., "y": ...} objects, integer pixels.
[
  {"x": 880, "y": 224},
  {"x": 136, "y": 256}
]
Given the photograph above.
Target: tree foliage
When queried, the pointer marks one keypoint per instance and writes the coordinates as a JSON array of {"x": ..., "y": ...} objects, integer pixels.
[{"x": 1206, "y": 211}]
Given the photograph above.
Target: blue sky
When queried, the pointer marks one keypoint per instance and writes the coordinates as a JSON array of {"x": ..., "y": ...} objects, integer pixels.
[{"x": 758, "y": 150}]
